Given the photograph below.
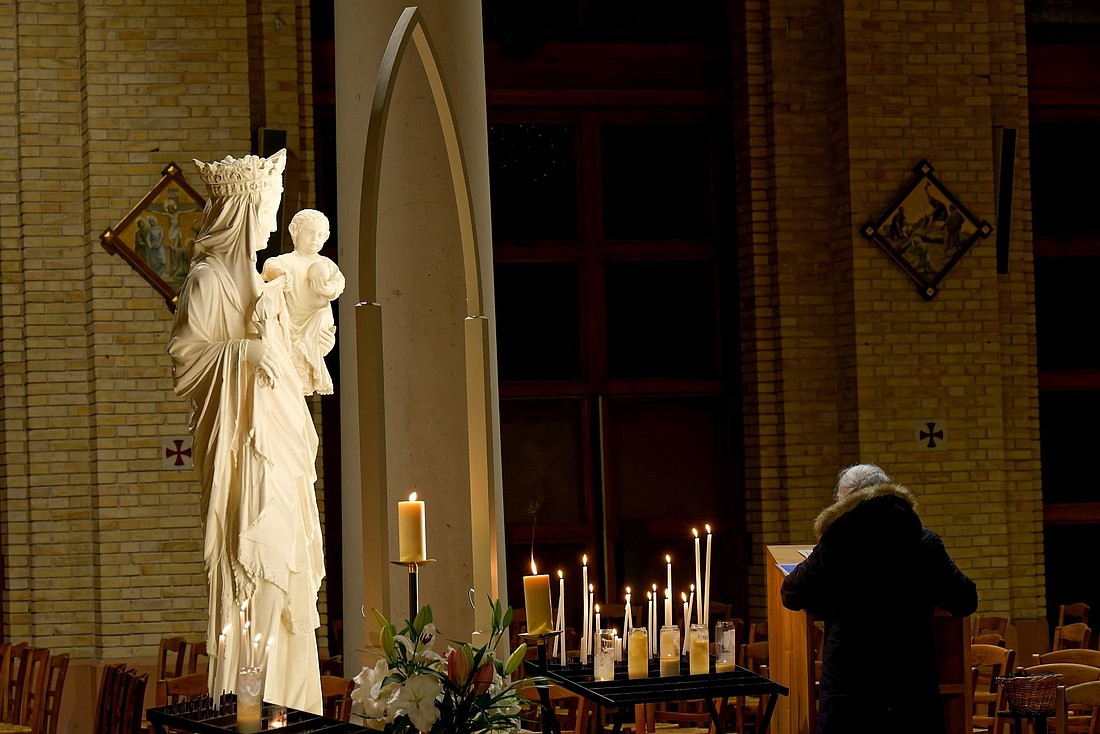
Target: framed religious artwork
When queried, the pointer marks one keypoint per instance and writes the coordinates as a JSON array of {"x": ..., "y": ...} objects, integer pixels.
[
  {"x": 157, "y": 237},
  {"x": 926, "y": 230}
]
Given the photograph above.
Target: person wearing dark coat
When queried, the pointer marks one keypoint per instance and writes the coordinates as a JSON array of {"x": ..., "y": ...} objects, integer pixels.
[{"x": 875, "y": 579}]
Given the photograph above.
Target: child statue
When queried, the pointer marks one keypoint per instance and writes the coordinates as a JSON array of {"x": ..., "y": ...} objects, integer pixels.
[{"x": 313, "y": 282}]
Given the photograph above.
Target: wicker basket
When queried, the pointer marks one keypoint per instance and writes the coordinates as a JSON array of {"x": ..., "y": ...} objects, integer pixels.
[{"x": 1031, "y": 694}]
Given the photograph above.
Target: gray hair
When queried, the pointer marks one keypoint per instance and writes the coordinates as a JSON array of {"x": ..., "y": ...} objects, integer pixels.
[{"x": 858, "y": 476}]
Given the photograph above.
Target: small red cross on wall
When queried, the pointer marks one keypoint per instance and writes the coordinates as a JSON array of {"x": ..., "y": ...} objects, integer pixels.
[{"x": 177, "y": 454}]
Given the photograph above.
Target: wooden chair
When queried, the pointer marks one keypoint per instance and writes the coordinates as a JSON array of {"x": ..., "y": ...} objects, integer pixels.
[
  {"x": 748, "y": 710},
  {"x": 171, "y": 657},
  {"x": 55, "y": 686},
  {"x": 988, "y": 662},
  {"x": 336, "y": 697},
  {"x": 1084, "y": 656},
  {"x": 36, "y": 660},
  {"x": 333, "y": 666},
  {"x": 573, "y": 712},
  {"x": 1076, "y": 635},
  {"x": 1072, "y": 674},
  {"x": 197, "y": 657},
  {"x": 181, "y": 688},
  {"x": 1070, "y": 613},
  {"x": 16, "y": 675},
  {"x": 988, "y": 638},
  {"x": 758, "y": 632},
  {"x": 120, "y": 701},
  {"x": 1085, "y": 695},
  {"x": 991, "y": 624}
]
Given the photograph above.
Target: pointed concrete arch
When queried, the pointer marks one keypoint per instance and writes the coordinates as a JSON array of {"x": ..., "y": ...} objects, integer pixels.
[{"x": 483, "y": 481}]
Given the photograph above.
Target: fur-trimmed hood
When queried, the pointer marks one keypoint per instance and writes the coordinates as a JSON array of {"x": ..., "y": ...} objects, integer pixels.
[{"x": 835, "y": 511}]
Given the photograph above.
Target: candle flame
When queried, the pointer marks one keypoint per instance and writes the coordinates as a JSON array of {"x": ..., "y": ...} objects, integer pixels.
[
  {"x": 597, "y": 609},
  {"x": 668, "y": 593},
  {"x": 668, "y": 558},
  {"x": 693, "y": 588},
  {"x": 560, "y": 576},
  {"x": 591, "y": 588},
  {"x": 628, "y": 589},
  {"x": 412, "y": 496},
  {"x": 534, "y": 571},
  {"x": 584, "y": 559},
  {"x": 654, "y": 588},
  {"x": 684, "y": 597},
  {"x": 707, "y": 526},
  {"x": 649, "y": 595},
  {"x": 227, "y": 628},
  {"x": 257, "y": 638},
  {"x": 695, "y": 532}
]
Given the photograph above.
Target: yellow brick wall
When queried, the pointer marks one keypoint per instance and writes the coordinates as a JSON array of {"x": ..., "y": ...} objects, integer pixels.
[
  {"x": 102, "y": 548},
  {"x": 843, "y": 359}
]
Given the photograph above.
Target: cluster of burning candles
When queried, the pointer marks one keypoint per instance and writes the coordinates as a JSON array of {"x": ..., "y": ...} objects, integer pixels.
[{"x": 641, "y": 643}]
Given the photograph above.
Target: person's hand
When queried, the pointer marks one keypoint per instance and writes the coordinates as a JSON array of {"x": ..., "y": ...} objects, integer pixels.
[{"x": 258, "y": 353}]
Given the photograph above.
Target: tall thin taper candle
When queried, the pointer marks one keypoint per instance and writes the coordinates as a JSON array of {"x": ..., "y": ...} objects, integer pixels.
[
  {"x": 591, "y": 630},
  {"x": 706, "y": 584},
  {"x": 698, "y": 579},
  {"x": 691, "y": 605},
  {"x": 560, "y": 626},
  {"x": 687, "y": 620},
  {"x": 584, "y": 608},
  {"x": 668, "y": 607},
  {"x": 597, "y": 625},
  {"x": 668, "y": 576},
  {"x": 649, "y": 620}
]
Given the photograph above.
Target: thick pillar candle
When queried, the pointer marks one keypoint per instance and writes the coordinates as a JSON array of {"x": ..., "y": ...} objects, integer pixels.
[
  {"x": 536, "y": 600},
  {"x": 411, "y": 546}
]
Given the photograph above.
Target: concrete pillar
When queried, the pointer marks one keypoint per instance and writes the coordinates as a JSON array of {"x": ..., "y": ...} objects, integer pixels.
[{"x": 425, "y": 330}]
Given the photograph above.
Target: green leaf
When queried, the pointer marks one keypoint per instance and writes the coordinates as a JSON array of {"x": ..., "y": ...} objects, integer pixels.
[
  {"x": 515, "y": 659},
  {"x": 507, "y": 621},
  {"x": 386, "y": 638},
  {"x": 423, "y": 619},
  {"x": 383, "y": 623}
]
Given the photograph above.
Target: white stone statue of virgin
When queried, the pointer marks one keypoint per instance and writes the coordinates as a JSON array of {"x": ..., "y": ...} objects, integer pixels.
[{"x": 255, "y": 444}]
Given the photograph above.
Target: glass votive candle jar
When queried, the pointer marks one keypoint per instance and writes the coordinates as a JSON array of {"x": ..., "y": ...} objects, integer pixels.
[
  {"x": 249, "y": 687},
  {"x": 698, "y": 649},
  {"x": 637, "y": 654},
  {"x": 725, "y": 640},
  {"x": 276, "y": 717},
  {"x": 603, "y": 657},
  {"x": 670, "y": 651}
]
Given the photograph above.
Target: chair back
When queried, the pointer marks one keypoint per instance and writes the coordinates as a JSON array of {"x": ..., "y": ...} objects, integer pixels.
[
  {"x": 197, "y": 657},
  {"x": 37, "y": 662},
  {"x": 991, "y": 625},
  {"x": 120, "y": 701},
  {"x": 1072, "y": 673},
  {"x": 573, "y": 712},
  {"x": 989, "y": 662},
  {"x": 171, "y": 657},
  {"x": 55, "y": 686},
  {"x": 333, "y": 666},
  {"x": 336, "y": 697},
  {"x": 1082, "y": 694},
  {"x": 758, "y": 632},
  {"x": 16, "y": 679},
  {"x": 1084, "y": 656},
  {"x": 1070, "y": 613},
  {"x": 181, "y": 688},
  {"x": 1073, "y": 635}
]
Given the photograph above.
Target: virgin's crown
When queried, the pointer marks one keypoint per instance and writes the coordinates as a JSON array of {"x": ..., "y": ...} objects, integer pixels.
[{"x": 238, "y": 176}]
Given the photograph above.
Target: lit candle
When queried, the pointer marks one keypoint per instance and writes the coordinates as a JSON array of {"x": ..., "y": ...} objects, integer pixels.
[
  {"x": 584, "y": 609},
  {"x": 628, "y": 622},
  {"x": 698, "y": 578},
  {"x": 691, "y": 605},
  {"x": 668, "y": 576},
  {"x": 648, "y": 621},
  {"x": 668, "y": 607},
  {"x": 597, "y": 625},
  {"x": 560, "y": 625},
  {"x": 411, "y": 546},
  {"x": 242, "y": 637},
  {"x": 591, "y": 628},
  {"x": 687, "y": 618},
  {"x": 706, "y": 587},
  {"x": 536, "y": 600},
  {"x": 266, "y": 653}
]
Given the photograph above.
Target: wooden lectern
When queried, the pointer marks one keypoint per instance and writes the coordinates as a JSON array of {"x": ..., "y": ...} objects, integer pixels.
[{"x": 791, "y": 656}]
